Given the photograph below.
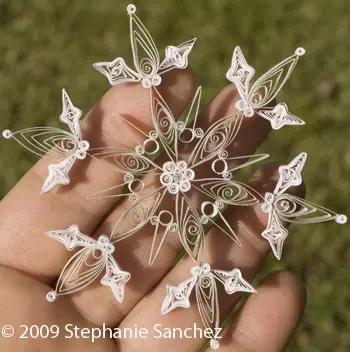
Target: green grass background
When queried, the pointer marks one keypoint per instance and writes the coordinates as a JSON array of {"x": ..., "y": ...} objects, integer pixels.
[{"x": 46, "y": 45}]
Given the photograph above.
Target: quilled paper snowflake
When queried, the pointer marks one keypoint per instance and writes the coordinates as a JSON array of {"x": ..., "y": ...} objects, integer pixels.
[
  {"x": 256, "y": 98},
  {"x": 168, "y": 205},
  {"x": 282, "y": 206},
  {"x": 149, "y": 68},
  {"x": 56, "y": 143},
  {"x": 85, "y": 266},
  {"x": 162, "y": 176},
  {"x": 203, "y": 281}
]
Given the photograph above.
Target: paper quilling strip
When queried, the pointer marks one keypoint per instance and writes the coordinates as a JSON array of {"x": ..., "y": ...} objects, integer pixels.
[
  {"x": 86, "y": 265},
  {"x": 149, "y": 68},
  {"x": 56, "y": 143},
  {"x": 282, "y": 206}
]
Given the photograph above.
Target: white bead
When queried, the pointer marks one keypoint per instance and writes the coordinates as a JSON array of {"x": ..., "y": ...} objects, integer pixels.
[
  {"x": 341, "y": 219},
  {"x": 214, "y": 344},
  {"x": 51, "y": 296},
  {"x": 300, "y": 51},
  {"x": 7, "y": 134},
  {"x": 131, "y": 9}
]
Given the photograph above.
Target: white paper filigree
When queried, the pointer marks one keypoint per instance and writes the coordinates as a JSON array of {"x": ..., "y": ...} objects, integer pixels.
[
  {"x": 256, "y": 98},
  {"x": 285, "y": 207},
  {"x": 149, "y": 68},
  {"x": 178, "y": 179},
  {"x": 177, "y": 176},
  {"x": 86, "y": 265},
  {"x": 203, "y": 281},
  {"x": 56, "y": 143}
]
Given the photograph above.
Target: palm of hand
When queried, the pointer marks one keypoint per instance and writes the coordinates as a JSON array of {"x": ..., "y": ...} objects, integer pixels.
[{"x": 30, "y": 263}]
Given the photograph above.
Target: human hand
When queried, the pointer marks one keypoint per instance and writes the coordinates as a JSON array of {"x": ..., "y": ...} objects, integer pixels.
[{"x": 31, "y": 262}]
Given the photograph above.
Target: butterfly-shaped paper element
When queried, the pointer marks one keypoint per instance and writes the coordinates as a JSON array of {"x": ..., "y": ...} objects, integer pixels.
[
  {"x": 256, "y": 98},
  {"x": 86, "y": 265},
  {"x": 56, "y": 143},
  {"x": 203, "y": 281},
  {"x": 284, "y": 207},
  {"x": 176, "y": 175},
  {"x": 149, "y": 68}
]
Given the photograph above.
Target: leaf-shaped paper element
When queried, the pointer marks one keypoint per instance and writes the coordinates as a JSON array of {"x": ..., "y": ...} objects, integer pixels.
[
  {"x": 176, "y": 56},
  {"x": 233, "y": 281},
  {"x": 216, "y": 139},
  {"x": 71, "y": 115},
  {"x": 58, "y": 174},
  {"x": 115, "y": 278},
  {"x": 146, "y": 143},
  {"x": 163, "y": 223},
  {"x": 229, "y": 192},
  {"x": 165, "y": 124},
  {"x": 214, "y": 215},
  {"x": 187, "y": 133},
  {"x": 112, "y": 192},
  {"x": 276, "y": 234},
  {"x": 240, "y": 73},
  {"x": 138, "y": 215},
  {"x": 144, "y": 51},
  {"x": 296, "y": 210},
  {"x": 207, "y": 301},
  {"x": 131, "y": 189},
  {"x": 117, "y": 71},
  {"x": 123, "y": 160},
  {"x": 71, "y": 237},
  {"x": 47, "y": 141},
  {"x": 159, "y": 235},
  {"x": 280, "y": 116},
  {"x": 190, "y": 228},
  {"x": 81, "y": 270},
  {"x": 266, "y": 88},
  {"x": 178, "y": 296},
  {"x": 290, "y": 175}
]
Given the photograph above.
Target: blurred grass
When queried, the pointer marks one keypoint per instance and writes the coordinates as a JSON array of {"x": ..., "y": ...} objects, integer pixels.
[{"x": 46, "y": 45}]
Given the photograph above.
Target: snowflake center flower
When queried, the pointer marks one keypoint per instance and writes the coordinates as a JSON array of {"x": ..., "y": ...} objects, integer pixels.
[{"x": 177, "y": 176}]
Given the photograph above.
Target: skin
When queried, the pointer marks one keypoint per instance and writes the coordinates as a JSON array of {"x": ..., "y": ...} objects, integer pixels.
[{"x": 30, "y": 263}]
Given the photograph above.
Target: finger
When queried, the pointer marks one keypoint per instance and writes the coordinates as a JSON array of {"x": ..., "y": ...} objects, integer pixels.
[
  {"x": 25, "y": 215},
  {"x": 268, "y": 319},
  {"x": 133, "y": 253},
  {"x": 38, "y": 326},
  {"x": 221, "y": 254}
]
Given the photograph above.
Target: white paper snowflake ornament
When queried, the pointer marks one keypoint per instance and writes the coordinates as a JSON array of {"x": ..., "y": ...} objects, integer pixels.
[
  {"x": 56, "y": 143},
  {"x": 257, "y": 97},
  {"x": 86, "y": 265},
  {"x": 149, "y": 68},
  {"x": 203, "y": 281},
  {"x": 282, "y": 206},
  {"x": 177, "y": 175}
]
